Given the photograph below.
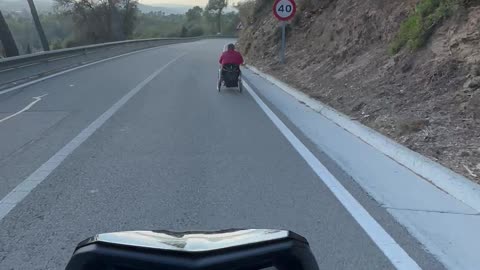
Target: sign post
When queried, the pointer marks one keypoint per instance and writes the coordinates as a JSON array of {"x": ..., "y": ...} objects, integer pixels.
[
  {"x": 282, "y": 56},
  {"x": 284, "y": 10}
]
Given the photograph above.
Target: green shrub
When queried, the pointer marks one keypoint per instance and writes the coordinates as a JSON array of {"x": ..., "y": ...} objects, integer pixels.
[
  {"x": 56, "y": 45},
  {"x": 415, "y": 31},
  {"x": 173, "y": 34},
  {"x": 195, "y": 31}
]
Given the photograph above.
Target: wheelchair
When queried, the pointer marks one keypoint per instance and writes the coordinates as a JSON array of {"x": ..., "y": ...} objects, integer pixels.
[{"x": 230, "y": 77}]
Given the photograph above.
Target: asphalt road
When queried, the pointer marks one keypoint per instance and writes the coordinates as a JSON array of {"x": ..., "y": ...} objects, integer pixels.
[
  {"x": 177, "y": 156},
  {"x": 14, "y": 74}
]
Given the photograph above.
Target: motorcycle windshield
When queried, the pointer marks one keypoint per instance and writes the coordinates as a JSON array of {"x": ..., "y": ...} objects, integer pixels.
[{"x": 189, "y": 241}]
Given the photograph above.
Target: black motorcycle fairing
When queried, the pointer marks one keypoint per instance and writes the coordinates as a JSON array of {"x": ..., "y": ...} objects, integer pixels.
[{"x": 232, "y": 249}]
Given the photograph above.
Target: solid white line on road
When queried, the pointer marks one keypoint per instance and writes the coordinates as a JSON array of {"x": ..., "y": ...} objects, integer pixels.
[
  {"x": 36, "y": 99},
  {"x": 24, "y": 188},
  {"x": 69, "y": 70},
  {"x": 392, "y": 250},
  {"x": 29, "y": 65},
  {"x": 63, "y": 57},
  {"x": 7, "y": 69}
]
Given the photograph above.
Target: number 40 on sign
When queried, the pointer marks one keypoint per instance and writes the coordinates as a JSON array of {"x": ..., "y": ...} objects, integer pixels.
[{"x": 284, "y": 10}]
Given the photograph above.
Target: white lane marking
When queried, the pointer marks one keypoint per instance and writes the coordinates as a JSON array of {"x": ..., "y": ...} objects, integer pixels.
[
  {"x": 36, "y": 99},
  {"x": 28, "y": 65},
  {"x": 17, "y": 67},
  {"x": 69, "y": 70},
  {"x": 64, "y": 57},
  {"x": 23, "y": 189},
  {"x": 392, "y": 250},
  {"x": 7, "y": 69}
]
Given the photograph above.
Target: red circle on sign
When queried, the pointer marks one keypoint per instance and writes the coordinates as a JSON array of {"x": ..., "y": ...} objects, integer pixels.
[{"x": 294, "y": 9}]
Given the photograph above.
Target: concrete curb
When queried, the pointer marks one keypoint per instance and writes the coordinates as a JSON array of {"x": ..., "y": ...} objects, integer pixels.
[{"x": 445, "y": 179}]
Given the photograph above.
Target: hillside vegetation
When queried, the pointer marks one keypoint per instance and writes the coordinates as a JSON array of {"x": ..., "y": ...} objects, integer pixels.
[
  {"x": 409, "y": 69},
  {"x": 71, "y": 23}
]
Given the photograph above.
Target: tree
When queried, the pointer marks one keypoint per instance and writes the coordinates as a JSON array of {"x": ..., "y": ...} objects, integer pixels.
[
  {"x": 38, "y": 26},
  {"x": 183, "y": 32},
  {"x": 210, "y": 21},
  {"x": 217, "y": 6},
  {"x": 101, "y": 20},
  {"x": 130, "y": 12},
  {"x": 7, "y": 39},
  {"x": 58, "y": 28},
  {"x": 230, "y": 22},
  {"x": 246, "y": 11},
  {"x": 195, "y": 31},
  {"x": 194, "y": 14}
]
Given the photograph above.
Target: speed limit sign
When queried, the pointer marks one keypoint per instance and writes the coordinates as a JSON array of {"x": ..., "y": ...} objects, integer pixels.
[{"x": 284, "y": 10}]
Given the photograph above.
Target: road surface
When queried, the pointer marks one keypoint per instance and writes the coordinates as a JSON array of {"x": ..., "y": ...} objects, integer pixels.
[{"x": 175, "y": 155}]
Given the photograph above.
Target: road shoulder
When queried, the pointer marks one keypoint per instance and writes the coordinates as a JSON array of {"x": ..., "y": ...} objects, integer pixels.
[{"x": 415, "y": 203}]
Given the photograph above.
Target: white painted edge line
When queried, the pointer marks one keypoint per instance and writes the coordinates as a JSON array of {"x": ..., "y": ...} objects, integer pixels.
[
  {"x": 63, "y": 57},
  {"x": 72, "y": 69},
  {"x": 22, "y": 66},
  {"x": 36, "y": 99},
  {"x": 392, "y": 250},
  {"x": 28, "y": 65},
  {"x": 447, "y": 180},
  {"x": 7, "y": 69},
  {"x": 24, "y": 188}
]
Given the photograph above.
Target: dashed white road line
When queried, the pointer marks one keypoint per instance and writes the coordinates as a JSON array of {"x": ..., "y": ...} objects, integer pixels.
[
  {"x": 392, "y": 250},
  {"x": 24, "y": 188},
  {"x": 36, "y": 99}
]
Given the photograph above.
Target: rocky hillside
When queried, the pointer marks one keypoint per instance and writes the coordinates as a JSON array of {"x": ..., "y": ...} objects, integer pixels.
[{"x": 407, "y": 68}]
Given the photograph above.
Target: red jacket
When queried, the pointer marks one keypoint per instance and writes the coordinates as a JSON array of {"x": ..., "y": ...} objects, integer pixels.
[{"x": 231, "y": 57}]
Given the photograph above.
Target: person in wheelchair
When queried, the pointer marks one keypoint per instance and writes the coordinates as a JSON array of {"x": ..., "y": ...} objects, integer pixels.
[{"x": 230, "y": 62}]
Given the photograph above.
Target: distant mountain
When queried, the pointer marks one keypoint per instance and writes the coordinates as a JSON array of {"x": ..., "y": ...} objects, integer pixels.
[
  {"x": 172, "y": 8},
  {"x": 47, "y": 5}
]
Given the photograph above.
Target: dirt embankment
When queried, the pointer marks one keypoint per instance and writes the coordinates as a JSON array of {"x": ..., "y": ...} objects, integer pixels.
[{"x": 428, "y": 100}]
